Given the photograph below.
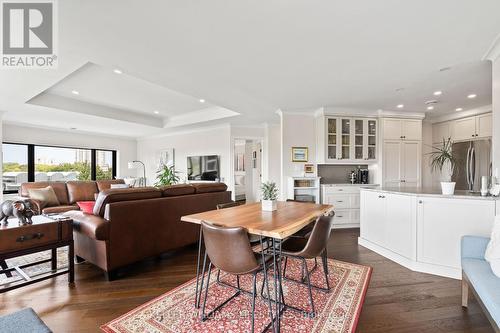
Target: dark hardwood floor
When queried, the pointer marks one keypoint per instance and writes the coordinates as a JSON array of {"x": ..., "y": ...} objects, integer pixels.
[{"x": 398, "y": 299}]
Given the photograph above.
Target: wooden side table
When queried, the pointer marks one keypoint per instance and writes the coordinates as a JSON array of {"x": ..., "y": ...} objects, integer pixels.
[{"x": 44, "y": 234}]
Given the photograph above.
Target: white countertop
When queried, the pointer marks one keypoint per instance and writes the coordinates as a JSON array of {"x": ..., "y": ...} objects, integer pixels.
[{"x": 431, "y": 192}]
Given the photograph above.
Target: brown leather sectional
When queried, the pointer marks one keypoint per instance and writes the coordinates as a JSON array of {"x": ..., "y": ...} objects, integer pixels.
[
  {"x": 129, "y": 225},
  {"x": 68, "y": 193}
]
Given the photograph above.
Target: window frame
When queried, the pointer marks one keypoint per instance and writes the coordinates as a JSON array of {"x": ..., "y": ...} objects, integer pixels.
[{"x": 93, "y": 165}]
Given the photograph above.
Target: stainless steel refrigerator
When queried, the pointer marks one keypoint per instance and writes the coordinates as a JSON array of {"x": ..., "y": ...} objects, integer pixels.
[{"x": 473, "y": 161}]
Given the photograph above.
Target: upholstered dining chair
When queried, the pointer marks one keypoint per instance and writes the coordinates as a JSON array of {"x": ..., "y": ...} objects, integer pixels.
[
  {"x": 304, "y": 232},
  {"x": 311, "y": 248},
  {"x": 229, "y": 250}
]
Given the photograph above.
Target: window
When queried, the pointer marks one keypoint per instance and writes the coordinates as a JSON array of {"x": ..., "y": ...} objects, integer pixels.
[
  {"x": 27, "y": 162},
  {"x": 104, "y": 164},
  {"x": 15, "y": 167},
  {"x": 62, "y": 164}
]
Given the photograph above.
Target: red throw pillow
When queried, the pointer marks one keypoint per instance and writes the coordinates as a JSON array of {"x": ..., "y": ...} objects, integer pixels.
[{"x": 86, "y": 206}]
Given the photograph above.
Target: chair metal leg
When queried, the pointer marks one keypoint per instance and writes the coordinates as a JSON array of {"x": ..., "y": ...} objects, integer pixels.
[
  {"x": 266, "y": 281},
  {"x": 203, "y": 318},
  {"x": 197, "y": 299},
  {"x": 325, "y": 269},
  {"x": 310, "y": 290},
  {"x": 198, "y": 296},
  {"x": 253, "y": 299},
  {"x": 284, "y": 268}
]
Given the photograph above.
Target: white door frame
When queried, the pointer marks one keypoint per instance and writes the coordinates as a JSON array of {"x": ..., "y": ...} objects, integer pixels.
[{"x": 231, "y": 173}]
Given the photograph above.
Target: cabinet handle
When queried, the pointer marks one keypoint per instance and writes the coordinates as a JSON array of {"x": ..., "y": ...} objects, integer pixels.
[
  {"x": 340, "y": 201},
  {"x": 340, "y": 189},
  {"x": 339, "y": 216},
  {"x": 381, "y": 196},
  {"x": 420, "y": 201}
]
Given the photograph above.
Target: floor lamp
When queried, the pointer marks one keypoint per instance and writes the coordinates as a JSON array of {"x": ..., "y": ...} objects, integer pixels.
[{"x": 133, "y": 165}]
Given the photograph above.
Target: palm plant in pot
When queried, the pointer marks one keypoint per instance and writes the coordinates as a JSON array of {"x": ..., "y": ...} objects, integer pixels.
[
  {"x": 269, "y": 196},
  {"x": 442, "y": 160},
  {"x": 166, "y": 175}
]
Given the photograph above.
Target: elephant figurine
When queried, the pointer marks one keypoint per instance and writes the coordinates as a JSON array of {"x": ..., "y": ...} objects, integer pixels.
[{"x": 23, "y": 210}]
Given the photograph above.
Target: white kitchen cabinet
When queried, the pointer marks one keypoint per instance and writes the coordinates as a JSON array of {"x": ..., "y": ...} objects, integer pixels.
[
  {"x": 389, "y": 221},
  {"x": 423, "y": 230},
  {"x": 441, "y": 224},
  {"x": 372, "y": 217},
  {"x": 484, "y": 125},
  {"x": 464, "y": 129},
  {"x": 472, "y": 127},
  {"x": 346, "y": 203},
  {"x": 402, "y": 129},
  {"x": 402, "y": 163},
  {"x": 349, "y": 139},
  {"x": 440, "y": 132}
]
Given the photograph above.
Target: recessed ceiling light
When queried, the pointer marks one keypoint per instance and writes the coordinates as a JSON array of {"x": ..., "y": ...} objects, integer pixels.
[
  {"x": 117, "y": 71},
  {"x": 430, "y": 107},
  {"x": 75, "y": 92},
  {"x": 202, "y": 100},
  {"x": 437, "y": 93},
  {"x": 72, "y": 128},
  {"x": 458, "y": 109},
  {"x": 471, "y": 96},
  {"x": 400, "y": 106},
  {"x": 156, "y": 111}
]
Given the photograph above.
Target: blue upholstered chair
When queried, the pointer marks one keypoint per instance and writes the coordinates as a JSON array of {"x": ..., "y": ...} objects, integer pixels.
[{"x": 479, "y": 278}]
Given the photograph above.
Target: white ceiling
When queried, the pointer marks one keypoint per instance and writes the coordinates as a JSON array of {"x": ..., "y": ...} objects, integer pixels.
[{"x": 251, "y": 58}]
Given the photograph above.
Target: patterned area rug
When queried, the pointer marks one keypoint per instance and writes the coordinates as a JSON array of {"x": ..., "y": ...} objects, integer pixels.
[
  {"x": 337, "y": 311},
  {"x": 34, "y": 271}
]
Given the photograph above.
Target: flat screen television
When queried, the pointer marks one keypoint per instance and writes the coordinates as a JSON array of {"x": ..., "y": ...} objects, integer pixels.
[{"x": 203, "y": 168}]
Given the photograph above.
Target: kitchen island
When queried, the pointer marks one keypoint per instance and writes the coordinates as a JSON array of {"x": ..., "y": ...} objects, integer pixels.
[{"x": 420, "y": 228}]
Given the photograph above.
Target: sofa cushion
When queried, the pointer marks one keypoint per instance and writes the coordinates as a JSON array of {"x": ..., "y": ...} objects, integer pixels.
[
  {"x": 46, "y": 196},
  {"x": 485, "y": 283},
  {"x": 59, "y": 188},
  {"x": 106, "y": 184},
  {"x": 123, "y": 194},
  {"x": 90, "y": 225},
  {"x": 81, "y": 191},
  {"x": 209, "y": 187},
  {"x": 176, "y": 190},
  {"x": 59, "y": 209}
]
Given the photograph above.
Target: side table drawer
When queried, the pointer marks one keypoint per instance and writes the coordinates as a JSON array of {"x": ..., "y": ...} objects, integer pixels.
[{"x": 31, "y": 236}]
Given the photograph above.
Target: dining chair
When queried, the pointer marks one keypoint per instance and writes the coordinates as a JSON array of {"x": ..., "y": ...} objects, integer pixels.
[
  {"x": 304, "y": 232},
  {"x": 310, "y": 248},
  {"x": 229, "y": 250}
]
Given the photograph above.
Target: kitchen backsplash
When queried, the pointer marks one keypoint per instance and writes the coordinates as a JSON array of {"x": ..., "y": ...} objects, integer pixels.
[{"x": 337, "y": 174}]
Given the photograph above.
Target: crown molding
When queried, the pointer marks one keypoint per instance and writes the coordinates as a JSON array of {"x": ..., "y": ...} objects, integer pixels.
[
  {"x": 461, "y": 114},
  {"x": 493, "y": 52},
  {"x": 401, "y": 114},
  {"x": 185, "y": 131}
]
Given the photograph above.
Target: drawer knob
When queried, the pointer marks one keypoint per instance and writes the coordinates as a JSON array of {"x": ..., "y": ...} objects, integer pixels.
[{"x": 340, "y": 201}]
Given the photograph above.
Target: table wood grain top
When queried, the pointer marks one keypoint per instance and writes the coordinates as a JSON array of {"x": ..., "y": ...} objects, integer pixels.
[{"x": 289, "y": 218}]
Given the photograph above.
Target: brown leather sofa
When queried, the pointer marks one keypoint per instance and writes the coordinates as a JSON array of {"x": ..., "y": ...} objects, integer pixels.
[
  {"x": 129, "y": 225},
  {"x": 68, "y": 193}
]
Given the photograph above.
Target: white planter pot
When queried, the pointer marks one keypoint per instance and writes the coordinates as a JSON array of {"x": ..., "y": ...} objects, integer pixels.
[
  {"x": 448, "y": 188},
  {"x": 269, "y": 205}
]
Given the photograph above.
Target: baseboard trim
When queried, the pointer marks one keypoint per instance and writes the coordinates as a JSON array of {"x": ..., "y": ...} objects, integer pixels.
[{"x": 411, "y": 264}]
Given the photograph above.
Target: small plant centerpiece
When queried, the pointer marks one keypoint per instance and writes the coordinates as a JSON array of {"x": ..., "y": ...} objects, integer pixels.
[
  {"x": 269, "y": 196},
  {"x": 442, "y": 160},
  {"x": 166, "y": 175}
]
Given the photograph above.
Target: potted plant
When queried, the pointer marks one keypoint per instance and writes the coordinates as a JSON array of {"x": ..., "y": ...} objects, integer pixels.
[
  {"x": 269, "y": 196},
  {"x": 442, "y": 160},
  {"x": 166, "y": 175}
]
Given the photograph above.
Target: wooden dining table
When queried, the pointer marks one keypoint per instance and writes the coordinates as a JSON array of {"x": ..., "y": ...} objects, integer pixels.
[{"x": 290, "y": 217}]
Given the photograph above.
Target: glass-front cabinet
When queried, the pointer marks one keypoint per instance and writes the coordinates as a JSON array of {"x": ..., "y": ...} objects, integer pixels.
[{"x": 351, "y": 139}]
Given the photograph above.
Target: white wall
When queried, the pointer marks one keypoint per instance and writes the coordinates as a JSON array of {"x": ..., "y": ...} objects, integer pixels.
[
  {"x": 126, "y": 148},
  {"x": 298, "y": 130},
  {"x": 496, "y": 117},
  {"x": 207, "y": 141},
  {"x": 272, "y": 154}
]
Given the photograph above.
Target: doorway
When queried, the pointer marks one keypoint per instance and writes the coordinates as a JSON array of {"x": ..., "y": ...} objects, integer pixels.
[{"x": 247, "y": 170}]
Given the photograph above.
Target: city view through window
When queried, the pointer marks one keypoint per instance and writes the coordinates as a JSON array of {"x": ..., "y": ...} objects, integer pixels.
[{"x": 53, "y": 164}]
